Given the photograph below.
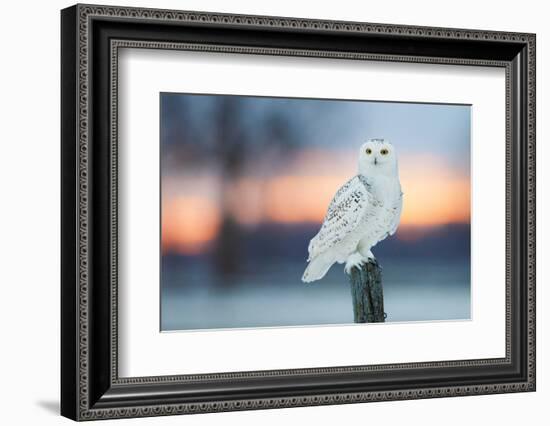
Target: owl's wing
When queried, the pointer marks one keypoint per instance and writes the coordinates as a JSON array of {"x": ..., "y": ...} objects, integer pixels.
[
  {"x": 397, "y": 217},
  {"x": 344, "y": 214}
]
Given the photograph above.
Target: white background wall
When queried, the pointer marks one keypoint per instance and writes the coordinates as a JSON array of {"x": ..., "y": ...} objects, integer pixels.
[{"x": 29, "y": 211}]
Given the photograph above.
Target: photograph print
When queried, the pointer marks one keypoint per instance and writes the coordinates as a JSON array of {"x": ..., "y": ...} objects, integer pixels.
[{"x": 307, "y": 212}]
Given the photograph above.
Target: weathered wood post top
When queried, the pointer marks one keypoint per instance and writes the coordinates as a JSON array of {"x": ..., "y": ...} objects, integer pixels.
[{"x": 366, "y": 292}]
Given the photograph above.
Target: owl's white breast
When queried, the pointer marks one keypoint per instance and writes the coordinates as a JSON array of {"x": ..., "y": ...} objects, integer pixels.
[
  {"x": 386, "y": 189},
  {"x": 376, "y": 225}
]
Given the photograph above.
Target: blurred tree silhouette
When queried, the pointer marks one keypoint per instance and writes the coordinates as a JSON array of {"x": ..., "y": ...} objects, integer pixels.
[{"x": 227, "y": 133}]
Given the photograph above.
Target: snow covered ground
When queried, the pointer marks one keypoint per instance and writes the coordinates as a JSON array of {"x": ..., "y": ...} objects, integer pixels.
[{"x": 274, "y": 296}]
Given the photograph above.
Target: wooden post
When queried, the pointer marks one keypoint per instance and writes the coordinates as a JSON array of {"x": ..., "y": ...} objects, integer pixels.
[{"x": 366, "y": 293}]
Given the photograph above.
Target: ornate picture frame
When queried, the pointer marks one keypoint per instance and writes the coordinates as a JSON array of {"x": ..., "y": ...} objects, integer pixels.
[{"x": 91, "y": 37}]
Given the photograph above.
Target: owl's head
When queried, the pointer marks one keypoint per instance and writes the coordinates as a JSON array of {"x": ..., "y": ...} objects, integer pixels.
[{"x": 377, "y": 156}]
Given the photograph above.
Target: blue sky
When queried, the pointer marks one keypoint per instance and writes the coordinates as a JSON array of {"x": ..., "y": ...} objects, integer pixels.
[{"x": 442, "y": 130}]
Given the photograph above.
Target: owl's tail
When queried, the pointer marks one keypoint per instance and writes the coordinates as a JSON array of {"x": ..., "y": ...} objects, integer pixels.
[{"x": 317, "y": 268}]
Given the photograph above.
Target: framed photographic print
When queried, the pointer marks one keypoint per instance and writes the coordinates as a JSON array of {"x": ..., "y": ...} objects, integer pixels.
[{"x": 263, "y": 212}]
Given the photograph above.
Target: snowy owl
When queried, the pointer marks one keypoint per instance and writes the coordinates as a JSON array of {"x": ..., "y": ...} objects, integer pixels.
[{"x": 362, "y": 213}]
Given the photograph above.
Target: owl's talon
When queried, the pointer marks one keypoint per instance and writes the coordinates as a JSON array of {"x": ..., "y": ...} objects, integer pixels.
[{"x": 355, "y": 260}]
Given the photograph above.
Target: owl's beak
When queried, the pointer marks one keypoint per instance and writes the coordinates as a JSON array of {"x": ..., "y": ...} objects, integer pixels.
[{"x": 375, "y": 161}]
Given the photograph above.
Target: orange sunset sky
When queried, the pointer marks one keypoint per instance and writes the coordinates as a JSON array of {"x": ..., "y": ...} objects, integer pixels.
[{"x": 435, "y": 194}]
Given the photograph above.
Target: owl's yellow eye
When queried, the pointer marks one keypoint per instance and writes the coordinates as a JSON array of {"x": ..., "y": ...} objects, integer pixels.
[
  {"x": 384, "y": 151},
  {"x": 368, "y": 151}
]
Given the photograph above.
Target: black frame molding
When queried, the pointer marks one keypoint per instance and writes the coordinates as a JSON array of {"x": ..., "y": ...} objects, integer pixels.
[{"x": 91, "y": 36}]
